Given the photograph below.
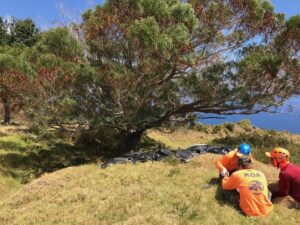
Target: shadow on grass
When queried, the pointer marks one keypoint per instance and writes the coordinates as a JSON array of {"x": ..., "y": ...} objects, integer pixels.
[
  {"x": 25, "y": 157},
  {"x": 226, "y": 197},
  {"x": 149, "y": 144},
  {"x": 2, "y": 134},
  {"x": 11, "y": 146},
  {"x": 32, "y": 162}
]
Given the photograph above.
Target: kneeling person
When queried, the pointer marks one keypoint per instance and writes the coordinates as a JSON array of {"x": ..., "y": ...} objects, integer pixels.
[
  {"x": 229, "y": 162},
  {"x": 289, "y": 176},
  {"x": 253, "y": 188}
]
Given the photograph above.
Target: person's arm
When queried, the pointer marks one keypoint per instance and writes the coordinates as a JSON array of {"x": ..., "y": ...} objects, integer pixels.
[
  {"x": 230, "y": 183},
  {"x": 250, "y": 156},
  {"x": 284, "y": 185},
  {"x": 221, "y": 162}
]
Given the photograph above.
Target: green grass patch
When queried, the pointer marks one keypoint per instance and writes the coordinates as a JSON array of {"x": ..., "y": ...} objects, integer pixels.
[{"x": 24, "y": 156}]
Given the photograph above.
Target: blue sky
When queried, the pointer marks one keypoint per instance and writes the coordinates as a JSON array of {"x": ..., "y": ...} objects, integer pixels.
[
  {"x": 46, "y": 14},
  {"x": 289, "y": 7}
]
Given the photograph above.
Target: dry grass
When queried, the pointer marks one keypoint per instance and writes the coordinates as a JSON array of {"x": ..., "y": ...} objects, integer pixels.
[
  {"x": 149, "y": 193},
  {"x": 181, "y": 138},
  {"x": 293, "y": 137},
  {"x": 7, "y": 185},
  {"x": 230, "y": 134},
  {"x": 9, "y": 144},
  {"x": 23, "y": 157}
]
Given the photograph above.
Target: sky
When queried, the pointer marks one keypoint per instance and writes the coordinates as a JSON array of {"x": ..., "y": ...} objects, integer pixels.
[
  {"x": 289, "y": 7},
  {"x": 46, "y": 13}
]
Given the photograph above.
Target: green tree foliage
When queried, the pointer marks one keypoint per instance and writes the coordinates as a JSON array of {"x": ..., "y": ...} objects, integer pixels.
[
  {"x": 287, "y": 45},
  {"x": 13, "y": 82},
  {"x": 52, "y": 64},
  {"x": 23, "y": 31},
  {"x": 153, "y": 63},
  {"x": 16, "y": 31},
  {"x": 15, "y": 36},
  {"x": 3, "y": 32},
  {"x": 163, "y": 61}
]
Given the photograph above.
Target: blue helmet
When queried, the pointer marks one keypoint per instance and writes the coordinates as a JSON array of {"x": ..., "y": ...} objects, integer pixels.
[{"x": 244, "y": 149}]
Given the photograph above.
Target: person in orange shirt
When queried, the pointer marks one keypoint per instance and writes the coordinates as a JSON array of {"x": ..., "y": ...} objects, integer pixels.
[
  {"x": 229, "y": 162},
  {"x": 252, "y": 186}
]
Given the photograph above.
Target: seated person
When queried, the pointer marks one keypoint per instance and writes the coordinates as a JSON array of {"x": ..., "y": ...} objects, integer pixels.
[
  {"x": 253, "y": 189},
  {"x": 289, "y": 176}
]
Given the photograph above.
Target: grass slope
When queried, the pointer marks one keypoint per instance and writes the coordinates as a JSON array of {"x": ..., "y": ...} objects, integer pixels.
[
  {"x": 230, "y": 134},
  {"x": 24, "y": 157},
  {"x": 149, "y": 193}
]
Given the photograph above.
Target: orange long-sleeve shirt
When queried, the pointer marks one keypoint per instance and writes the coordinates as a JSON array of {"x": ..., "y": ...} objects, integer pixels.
[
  {"x": 253, "y": 188},
  {"x": 229, "y": 161}
]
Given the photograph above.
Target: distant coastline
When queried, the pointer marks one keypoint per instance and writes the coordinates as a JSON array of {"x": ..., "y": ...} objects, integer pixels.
[{"x": 284, "y": 120}]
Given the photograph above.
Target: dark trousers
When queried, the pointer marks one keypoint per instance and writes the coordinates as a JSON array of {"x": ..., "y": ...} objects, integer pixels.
[{"x": 286, "y": 200}]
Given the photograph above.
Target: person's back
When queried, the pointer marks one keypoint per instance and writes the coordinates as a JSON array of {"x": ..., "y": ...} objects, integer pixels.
[{"x": 253, "y": 188}]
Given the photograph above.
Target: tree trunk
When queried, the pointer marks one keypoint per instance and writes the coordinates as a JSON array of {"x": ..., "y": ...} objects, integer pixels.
[
  {"x": 109, "y": 142},
  {"x": 132, "y": 140},
  {"x": 6, "y": 110}
]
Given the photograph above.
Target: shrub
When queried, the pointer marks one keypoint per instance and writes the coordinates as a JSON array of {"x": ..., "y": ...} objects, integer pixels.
[
  {"x": 229, "y": 126},
  {"x": 217, "y": 128},
  {"x": 201, "y": 127},
  {"x": 245, "y": 123}
]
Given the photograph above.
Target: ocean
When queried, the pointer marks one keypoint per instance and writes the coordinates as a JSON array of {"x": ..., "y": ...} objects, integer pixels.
[{"x": 287, "y": 118}]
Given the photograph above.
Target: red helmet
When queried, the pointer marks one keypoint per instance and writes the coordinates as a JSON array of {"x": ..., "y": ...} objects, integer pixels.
[{"x": 281, "y": 155}]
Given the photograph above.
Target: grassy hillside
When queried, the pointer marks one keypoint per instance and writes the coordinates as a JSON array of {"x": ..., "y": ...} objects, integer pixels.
[
  {"x": 146, "y": 193},
  {"x": 230, "y": 134},
  {"x": 149, "y": 193},
  {"x": 24, "y": 157}
]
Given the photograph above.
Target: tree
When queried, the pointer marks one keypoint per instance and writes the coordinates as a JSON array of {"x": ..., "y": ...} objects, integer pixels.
[
  {"x": 13, "y": 82},
  {"x": 160, "y": 61},
  {"x": 3, "y": 32},
  {"x": 18, "y": 31},
  {"x": 22, "y": 31},
  {"x": 15, "y": 37},
  {"x": 155, "y": 62},
  {"x": 52, "y": 63},
  {"x": 287, "y": 45}
]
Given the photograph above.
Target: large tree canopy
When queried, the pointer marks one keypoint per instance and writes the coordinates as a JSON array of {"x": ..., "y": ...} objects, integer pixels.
[
  {"x": 156, "y": 61},
  {"x": 148, "y": 63}
]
